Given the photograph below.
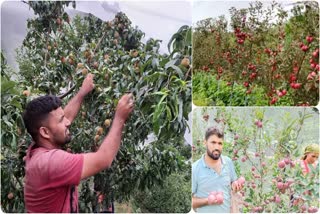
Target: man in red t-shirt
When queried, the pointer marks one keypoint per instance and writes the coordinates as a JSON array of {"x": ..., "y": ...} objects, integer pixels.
[{"x": 52, "y": 174}]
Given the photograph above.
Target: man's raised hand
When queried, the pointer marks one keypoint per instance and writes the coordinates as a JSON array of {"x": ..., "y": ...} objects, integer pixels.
[
  {"x": 125, "y": 106},
  {"x": 87, "y": 85}
]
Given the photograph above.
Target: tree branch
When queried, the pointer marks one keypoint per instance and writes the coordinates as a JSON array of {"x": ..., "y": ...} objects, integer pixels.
[
  {"x": 19, "y": 181},
  {"x": 100, "y": 41},
  {"x": 187, "y": 74},
  {"x": 67, "y": 93}
]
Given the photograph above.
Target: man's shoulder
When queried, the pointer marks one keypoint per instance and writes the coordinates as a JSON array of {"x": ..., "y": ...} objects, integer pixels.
[
  {"x": 59, "y": 156},
  {"x": 47, "y": 153},
  {"x": 43, "y": 156},
  {"x": 197, "y": 163}
]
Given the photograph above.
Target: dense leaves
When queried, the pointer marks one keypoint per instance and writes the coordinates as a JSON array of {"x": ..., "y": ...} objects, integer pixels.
[
  {"x": 208, "y": 91},
  {"x": 174, "y": 196},
  {"x": 13, "y": 144}
]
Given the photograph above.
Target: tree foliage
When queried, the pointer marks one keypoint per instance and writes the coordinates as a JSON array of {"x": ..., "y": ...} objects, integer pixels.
[{"x": 267, "y": 47}]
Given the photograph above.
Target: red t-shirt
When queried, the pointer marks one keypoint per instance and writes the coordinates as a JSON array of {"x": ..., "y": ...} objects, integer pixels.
[{"x": 50, "y": 175}]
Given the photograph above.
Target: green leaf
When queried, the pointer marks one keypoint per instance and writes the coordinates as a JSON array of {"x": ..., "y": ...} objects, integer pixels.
[
  {"x": 7, "y": 86},
  {"x": 180, "y": 102},
  {"x": 169, "y": 114},
  {"x": 16, "y": 104},
  {"x": 176, "y": 68},
  {"x": 156, "y": 116}
]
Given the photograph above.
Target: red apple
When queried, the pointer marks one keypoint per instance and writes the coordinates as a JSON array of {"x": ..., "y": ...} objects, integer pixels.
[
  {"x": 287, "y": 160},
  {"x": 309, "y": 39},
  {"x": 304, "y": 48},
  {"x": 315, "y": 54},
  {"x": 284, "y": 92},
  {"x": 312, "y": 209},
  {"x": 297, "y": 85},
  {"x": 240, "y": 41},
  {"x": 313, "y": 65},
  {"x": 258, "y": 123},
  {"x": 281, "y": 164},
  {"x": 280, "y": 185},
  {"x": 219, "y": 197},
  {"x": 212, "y": 199},
  {"x": 293, "y": 77},
  {"x": 303, "y": 208},
  {"x": 277, "y": 199},
  {"x": 273, "y": 100}
]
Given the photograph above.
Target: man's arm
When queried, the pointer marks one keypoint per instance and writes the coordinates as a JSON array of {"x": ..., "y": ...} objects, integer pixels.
[
  {"x": 97, "y": 161},
  {"x": 199, "y": 202},
  {"x": 72, "y": 108}
]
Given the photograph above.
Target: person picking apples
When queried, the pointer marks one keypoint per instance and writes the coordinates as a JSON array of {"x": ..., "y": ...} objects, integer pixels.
[
  {"x": 52, "y": 174},
  {"x": 308, "y": 161},
  {"x": 310, "y": 158},
  {"x": 214, "y": 177}
]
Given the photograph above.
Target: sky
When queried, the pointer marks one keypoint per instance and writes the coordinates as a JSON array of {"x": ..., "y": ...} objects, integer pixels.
[
  {"x": 207, "y": 9},
  {"x": 157, "y": 19},
  {"x": 203, "y": 9}
]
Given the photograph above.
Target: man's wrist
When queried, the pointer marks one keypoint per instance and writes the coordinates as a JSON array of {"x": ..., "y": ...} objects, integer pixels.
[
  {"x": 82, "y": 94},
  {"x": 118, "y": 119}
]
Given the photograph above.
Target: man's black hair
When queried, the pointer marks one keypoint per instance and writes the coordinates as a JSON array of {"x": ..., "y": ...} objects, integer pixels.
[
  {"x": 213, "y": 131},
  {"x": 37, "y": 111}
]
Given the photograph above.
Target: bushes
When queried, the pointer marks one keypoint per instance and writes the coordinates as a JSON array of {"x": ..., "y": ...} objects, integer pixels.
[
  {"x": 208, "y": 91},
  {"x": 174, "y": 196}
]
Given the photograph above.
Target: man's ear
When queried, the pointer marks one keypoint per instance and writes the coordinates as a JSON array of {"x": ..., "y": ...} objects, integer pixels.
[
  {"x": 44, "y": 132},
  {"x": 205, "y": 142}
]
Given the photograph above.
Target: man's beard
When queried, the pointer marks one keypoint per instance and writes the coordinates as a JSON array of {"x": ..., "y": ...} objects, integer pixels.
[
  {"x": 68, "y": 137},
  {"x": 65, "y": 139},
  {"x": 213, "y": 155}
]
